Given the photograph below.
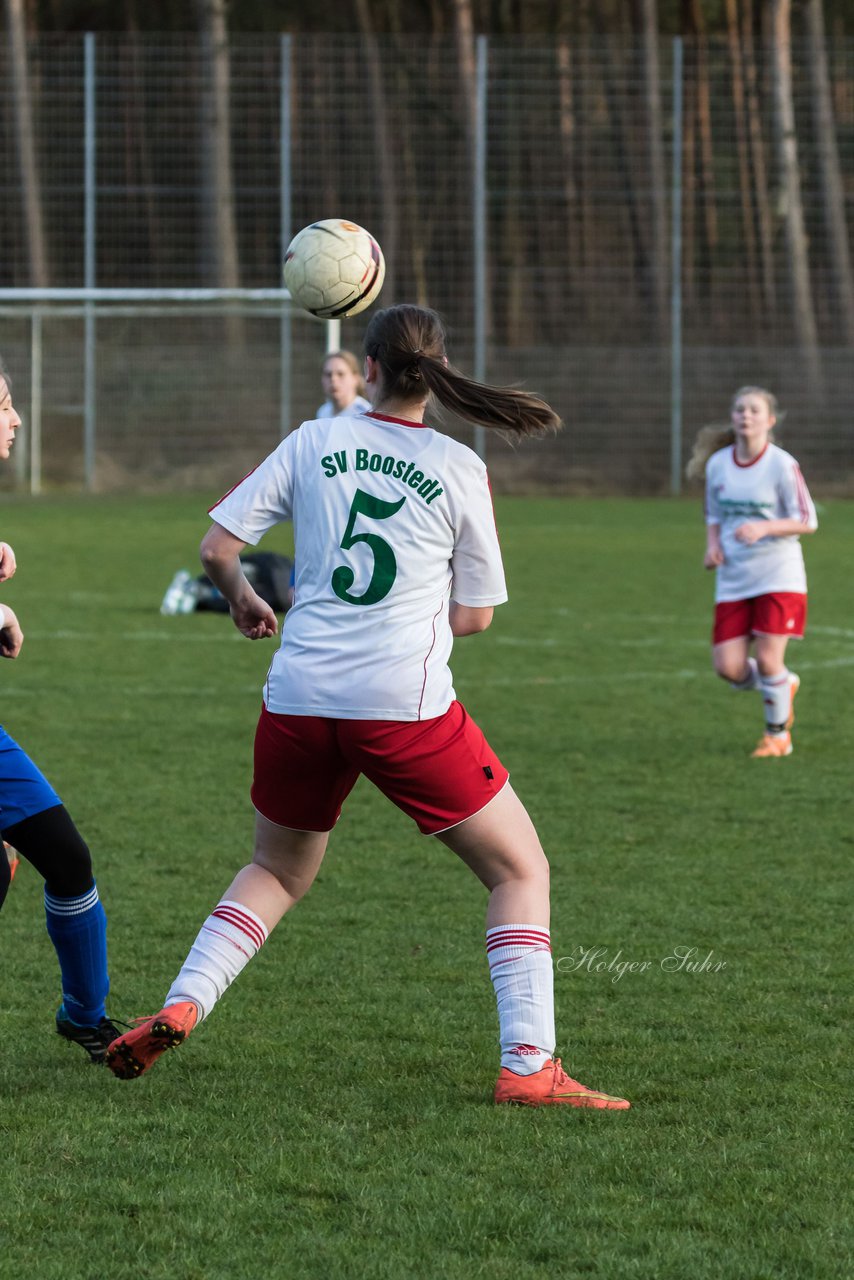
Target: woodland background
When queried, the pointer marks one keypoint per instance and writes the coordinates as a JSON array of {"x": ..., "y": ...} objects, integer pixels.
[{"x": 580, "y": 142}]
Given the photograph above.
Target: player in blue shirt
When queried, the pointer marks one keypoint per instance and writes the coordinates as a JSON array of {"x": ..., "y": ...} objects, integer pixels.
[{"x": 34, "y": 821}]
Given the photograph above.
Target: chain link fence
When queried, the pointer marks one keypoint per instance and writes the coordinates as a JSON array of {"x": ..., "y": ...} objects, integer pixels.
[{"x": 138, "y": 161}]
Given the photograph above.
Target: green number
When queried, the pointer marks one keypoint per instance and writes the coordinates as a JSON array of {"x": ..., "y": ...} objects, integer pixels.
[{"x": 385, "y": 565}]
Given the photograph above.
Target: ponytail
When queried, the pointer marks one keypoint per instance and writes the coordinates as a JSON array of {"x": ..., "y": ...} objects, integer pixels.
[
  {"x": 409, "y": 344},
  {"x": 709, "y": 440}
]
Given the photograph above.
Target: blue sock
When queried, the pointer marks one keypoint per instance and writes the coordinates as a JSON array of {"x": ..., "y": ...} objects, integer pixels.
[{"x": 78, "y": 930}]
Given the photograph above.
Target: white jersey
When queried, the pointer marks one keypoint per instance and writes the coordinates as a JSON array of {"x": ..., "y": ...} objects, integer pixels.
[
  {"x": 770, "y": 487},
  {"x": 392, "y": 520},
  {"x": 328, "y": 410}
]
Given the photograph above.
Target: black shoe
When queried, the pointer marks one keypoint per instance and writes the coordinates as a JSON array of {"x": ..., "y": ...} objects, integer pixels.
[{"x": 93, "y": 1039}]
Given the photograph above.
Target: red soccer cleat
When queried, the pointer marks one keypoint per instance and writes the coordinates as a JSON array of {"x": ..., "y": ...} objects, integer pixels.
[
  {"x": 552, "y": 1087},
  {"x": 136, "y": 1051}
]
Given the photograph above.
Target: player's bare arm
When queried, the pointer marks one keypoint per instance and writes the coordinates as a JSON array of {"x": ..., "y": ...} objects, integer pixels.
[
  {"x": 466, "y": 620},
  {"x": 11, "y": 635},
  {"x": 754, "y": 530},
  {"x": 8, "y": 564},
  {"x": 714, "y": 552},
  {"x": 220, "y": 556}
]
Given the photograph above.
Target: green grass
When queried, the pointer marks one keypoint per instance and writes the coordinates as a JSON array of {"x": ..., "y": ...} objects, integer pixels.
[{"x": 333, "y": 1119}]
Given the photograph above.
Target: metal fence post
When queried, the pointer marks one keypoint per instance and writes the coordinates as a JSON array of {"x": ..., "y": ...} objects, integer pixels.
[
  {"x": 479, "y": 229},
  {"x": 89, "y": 219},
  {"x": 285, "y": 229},
  {"x": 676, "y": 279},
  {"x": 36, "y": 402}
]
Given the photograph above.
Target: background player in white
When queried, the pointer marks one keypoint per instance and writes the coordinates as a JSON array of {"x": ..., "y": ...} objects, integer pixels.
[
  {"x": 396, "y": 553},
  {"x": 343, "y": 385},
  {"x": 757, "y": 506},
  {"x": 34, "y": 821},
  {"x": 344, "y": 388}
]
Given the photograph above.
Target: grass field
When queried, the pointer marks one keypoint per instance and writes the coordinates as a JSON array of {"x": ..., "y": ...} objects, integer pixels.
[{"x": 333, "y": 1118}]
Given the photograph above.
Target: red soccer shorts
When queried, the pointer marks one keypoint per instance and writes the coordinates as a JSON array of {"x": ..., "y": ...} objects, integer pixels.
[
  {"x": 439, "y": 771},
  {"x": 780, "y": 613}
]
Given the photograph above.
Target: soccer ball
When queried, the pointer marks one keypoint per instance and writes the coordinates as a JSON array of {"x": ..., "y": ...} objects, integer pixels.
[{"x": 334, "y": 269}]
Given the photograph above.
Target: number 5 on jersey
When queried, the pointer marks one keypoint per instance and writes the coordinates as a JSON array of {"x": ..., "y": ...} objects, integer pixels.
[{"x": 385, "y": 564}]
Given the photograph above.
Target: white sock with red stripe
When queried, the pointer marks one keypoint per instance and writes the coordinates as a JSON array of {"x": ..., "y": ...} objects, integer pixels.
[
  {"x": 227, "y": 941},
  {"x": 777, "y": 696},
  {"x": 520, "y": 965}
]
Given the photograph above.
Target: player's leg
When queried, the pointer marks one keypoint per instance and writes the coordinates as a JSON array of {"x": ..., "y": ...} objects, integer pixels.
[
  {"x": 731, "y": 645},
  {"x": 779, "y": 686},
  {"x": 36, "y": 823},
  {"x": 299, "y": 785},
  {"x": 76, "y": 921},
  {"x": 444, "y": 774},
  {"x": 283, "y": 869},
  {"x": 732, "y": 662},
  {"x": 500, "y": 844}
]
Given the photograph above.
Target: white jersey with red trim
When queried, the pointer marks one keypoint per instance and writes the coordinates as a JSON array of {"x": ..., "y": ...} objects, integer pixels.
[
  {"x": 392, "y": 520},
  {"x": 770, "y": 487}
]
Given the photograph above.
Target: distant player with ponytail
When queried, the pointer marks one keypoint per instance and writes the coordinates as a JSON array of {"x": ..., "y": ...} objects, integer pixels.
[
  {"x": 396, "y": 554},
  {"x": 757, "y": 508}
]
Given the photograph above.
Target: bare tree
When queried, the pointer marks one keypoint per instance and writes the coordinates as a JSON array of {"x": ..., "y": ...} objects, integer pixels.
[
  {"x": 698, "y": 61},
  {"x": 790, "y": 179},
  {"x": 385, "y": 147},
  {"x": 742, "y": 143},
  {"x": 764, "y": 219},
  {"x": 568, "y": 150},
  {"x": 833, "y": 195},
  {"x": 33, "y": 214},
  {"x": 658, "y": 254},
  {"x": 219, "y": 217}
]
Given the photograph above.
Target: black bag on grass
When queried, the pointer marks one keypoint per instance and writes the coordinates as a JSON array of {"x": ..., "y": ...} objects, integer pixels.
[{"x": 267, "y": 573}]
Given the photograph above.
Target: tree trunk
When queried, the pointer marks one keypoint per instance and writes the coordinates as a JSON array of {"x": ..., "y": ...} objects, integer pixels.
[
  {"x": 625, "y": 175},
  {"x": 568, "y": 155},
  {"x": 689, "y": 194},
  {"x": 743, "y": 152},
  {"x": 790, "y": 179},
  {"x": 220, "y": 221},
  {"x": 138, "y": 151},
  {"x": 651, "y": 77},
  {"x": 34, "y": 229},
  {"x": 695, "y": 24},
  {"x": 833, "y": 195},
  {"x": 385, "y": 147},
  {"x": 762, "y": 200},
  {"x": 412, "y": 245}
]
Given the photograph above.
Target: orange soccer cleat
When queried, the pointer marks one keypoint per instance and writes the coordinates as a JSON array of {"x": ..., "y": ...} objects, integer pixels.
[
  {"x": 773, "y": 744},
  {"x": 134, "y": 1052},
  {"x": 552, "y": 1087},
  {"x": 13, "y": 859},
  {"x": 794, "y": 686}
]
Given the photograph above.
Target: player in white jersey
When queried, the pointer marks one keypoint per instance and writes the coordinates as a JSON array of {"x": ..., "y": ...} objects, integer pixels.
[
  {"x": 396, "y": 553},
  {"x": 757, "y": 506},
  {"x": 343, "y": 385}
]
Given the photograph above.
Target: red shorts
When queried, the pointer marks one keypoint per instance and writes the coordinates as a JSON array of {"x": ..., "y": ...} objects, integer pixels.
[
  {"x": 439, "y": 771},
  {"x": 780, "y": 613}
]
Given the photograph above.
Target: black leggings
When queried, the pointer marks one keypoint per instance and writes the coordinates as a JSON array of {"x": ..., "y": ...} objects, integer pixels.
[{"x": 52, "y": 843}]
